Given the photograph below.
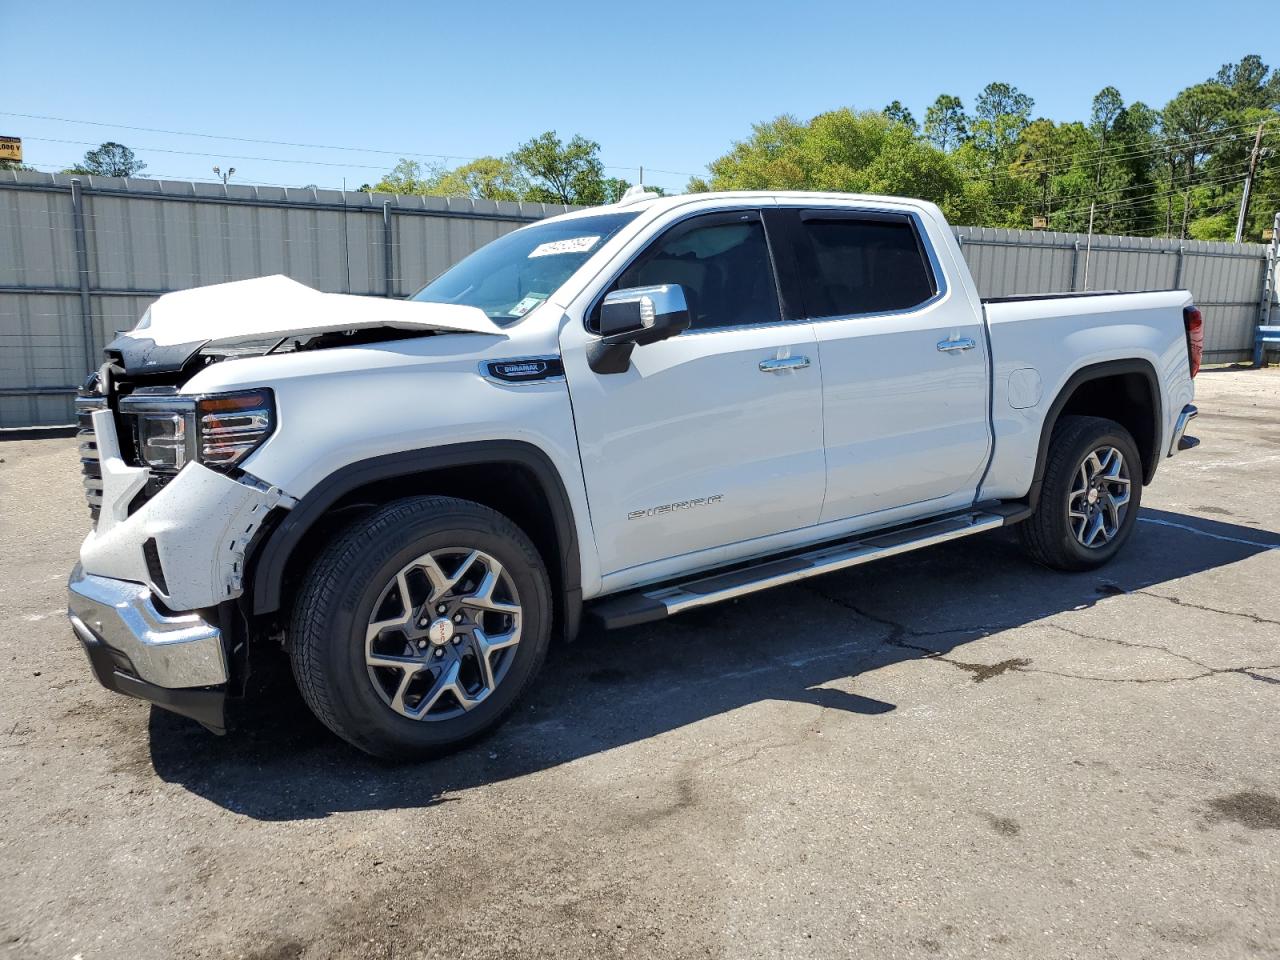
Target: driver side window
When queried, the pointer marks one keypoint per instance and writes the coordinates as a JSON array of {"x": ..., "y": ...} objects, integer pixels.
[{"x": 722, "y": 262}]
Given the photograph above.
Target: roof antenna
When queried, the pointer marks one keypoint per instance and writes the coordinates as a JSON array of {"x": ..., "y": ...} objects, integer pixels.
[{"x": 636, "y": 193}]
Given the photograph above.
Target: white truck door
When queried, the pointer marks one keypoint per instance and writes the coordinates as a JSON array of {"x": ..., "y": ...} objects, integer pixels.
[
  {"x": 904, "y": 361},
  {"x": 714, "y": 436}
]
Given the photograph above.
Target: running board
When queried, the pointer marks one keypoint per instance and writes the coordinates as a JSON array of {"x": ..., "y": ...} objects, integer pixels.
[{"x": 655, "y": 603}]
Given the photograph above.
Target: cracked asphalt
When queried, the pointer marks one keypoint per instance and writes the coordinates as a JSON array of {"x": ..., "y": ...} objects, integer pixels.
[{"x": 951, "y": 753}]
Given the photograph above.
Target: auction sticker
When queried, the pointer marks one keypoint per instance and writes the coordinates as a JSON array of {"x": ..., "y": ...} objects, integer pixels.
[
  {"x": 555, "y": 247},
  {"x": 527, "y": 304}
]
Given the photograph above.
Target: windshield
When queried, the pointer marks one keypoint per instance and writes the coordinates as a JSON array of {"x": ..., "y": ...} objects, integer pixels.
[{"x": 510, "y": 276}]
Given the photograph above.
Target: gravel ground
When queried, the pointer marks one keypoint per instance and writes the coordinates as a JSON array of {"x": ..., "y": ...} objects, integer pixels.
[{"x": 946, "y": 754}]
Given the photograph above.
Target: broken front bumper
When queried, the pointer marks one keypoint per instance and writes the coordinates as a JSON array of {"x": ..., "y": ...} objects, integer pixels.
[{"x": 177, "y": 661}]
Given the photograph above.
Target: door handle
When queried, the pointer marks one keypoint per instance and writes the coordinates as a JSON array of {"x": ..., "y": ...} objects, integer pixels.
[
  {"x": 783, "y": 364},
  {"x": 958, "y": 345}
]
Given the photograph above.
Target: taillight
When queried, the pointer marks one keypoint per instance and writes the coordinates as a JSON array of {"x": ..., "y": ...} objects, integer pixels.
[{"x": 1193, "y": 320}]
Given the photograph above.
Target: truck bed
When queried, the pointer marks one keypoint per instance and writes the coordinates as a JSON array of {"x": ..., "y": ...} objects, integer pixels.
[{"x": 1065, "y": 295}]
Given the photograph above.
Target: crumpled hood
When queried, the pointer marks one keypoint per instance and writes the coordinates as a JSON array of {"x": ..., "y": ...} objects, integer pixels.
[{"x": 180, "y": 324}]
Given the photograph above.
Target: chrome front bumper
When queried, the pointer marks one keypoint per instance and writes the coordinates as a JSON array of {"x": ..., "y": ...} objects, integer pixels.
[
  {"x": 1180, "y": 439},
  {"x": 165, "y": 650}
]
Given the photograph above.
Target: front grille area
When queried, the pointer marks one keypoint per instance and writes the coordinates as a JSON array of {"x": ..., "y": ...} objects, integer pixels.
[{"x": 90, "y": 464}]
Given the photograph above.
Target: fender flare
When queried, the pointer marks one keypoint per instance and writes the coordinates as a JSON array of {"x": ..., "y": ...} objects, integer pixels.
[
  {"x": 270, "y": 559},
  {"x": 1096, "y": 371}
]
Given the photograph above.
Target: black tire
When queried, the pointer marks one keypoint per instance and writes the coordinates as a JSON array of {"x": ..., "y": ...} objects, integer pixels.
[
  {"x": 1047, "y": 535},
  {"x": 334, "y": 608}
]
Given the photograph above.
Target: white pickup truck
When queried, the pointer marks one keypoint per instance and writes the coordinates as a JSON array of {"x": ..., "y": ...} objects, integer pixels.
[{"x": 632, "y": 410}]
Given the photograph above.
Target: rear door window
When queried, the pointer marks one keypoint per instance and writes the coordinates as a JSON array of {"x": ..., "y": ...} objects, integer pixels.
[{"x": 862, "y": 263}]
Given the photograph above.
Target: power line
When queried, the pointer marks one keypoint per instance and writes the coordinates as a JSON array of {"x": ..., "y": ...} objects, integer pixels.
[
  {"x": 1031, "y": 202},
  {"x": 286, "y": 143},
  {"x": 1163, "y": 146},
  {"x": 229, "y": 156},
  {"x": 1163, "y": 194},
  {"x": 57, "y": 166}
]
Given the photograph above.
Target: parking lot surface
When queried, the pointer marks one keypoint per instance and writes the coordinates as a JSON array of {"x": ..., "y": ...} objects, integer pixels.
[{"x": 951, "y": 753}]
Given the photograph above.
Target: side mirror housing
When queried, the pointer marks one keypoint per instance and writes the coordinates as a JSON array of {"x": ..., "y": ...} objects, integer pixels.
[{"x": 634, "y": 317}]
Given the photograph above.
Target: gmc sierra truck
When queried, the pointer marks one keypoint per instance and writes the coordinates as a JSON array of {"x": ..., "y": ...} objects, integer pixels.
[{"x": 629, "y": 411}]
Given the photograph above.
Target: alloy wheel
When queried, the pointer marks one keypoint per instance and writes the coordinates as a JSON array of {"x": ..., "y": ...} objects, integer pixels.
[
  {"x": 1099, "y": 497},
  {"x": 443, "y": 634}
]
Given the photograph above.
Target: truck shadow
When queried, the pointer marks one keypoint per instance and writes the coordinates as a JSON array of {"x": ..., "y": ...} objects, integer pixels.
[{"x": 611, "y": 689}]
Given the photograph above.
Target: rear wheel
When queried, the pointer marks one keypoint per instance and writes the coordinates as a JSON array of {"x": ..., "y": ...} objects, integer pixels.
[
  {"x": 420, "y": 626},
  {"x": 1090, "y": 496}
]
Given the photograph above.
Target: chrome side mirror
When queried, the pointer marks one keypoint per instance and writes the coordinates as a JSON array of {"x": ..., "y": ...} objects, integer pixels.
[
  {"x": 646, "y": 314},
  {"x": 633, "y": 317}
]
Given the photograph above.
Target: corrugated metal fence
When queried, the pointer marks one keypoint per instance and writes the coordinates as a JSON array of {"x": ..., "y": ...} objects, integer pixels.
[
  {"x": 1226, "y": 279},
  {"x": 82, "y": 258}
]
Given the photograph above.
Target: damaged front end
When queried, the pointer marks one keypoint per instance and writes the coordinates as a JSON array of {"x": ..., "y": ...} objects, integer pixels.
[
  {"x": 154, "y": 599},
  {"x": 158, "y": 596}
]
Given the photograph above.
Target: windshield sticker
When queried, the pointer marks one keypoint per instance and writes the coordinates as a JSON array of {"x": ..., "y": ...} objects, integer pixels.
[
  {"x": 572, "y": 245},
  {"x": 527, "y": 304}
]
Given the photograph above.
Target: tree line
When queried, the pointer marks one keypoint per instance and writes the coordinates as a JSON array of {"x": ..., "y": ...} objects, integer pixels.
[
  {"x": 544, "y": 169},
  {"x": 1175, "y": 171}
]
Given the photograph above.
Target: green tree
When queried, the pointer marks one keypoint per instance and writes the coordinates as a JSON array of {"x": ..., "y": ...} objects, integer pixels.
[
  {"x": 1001, "y": 113},
  {"x": 945, "y": 124},
  {"x": 841, "y": 151},
  {"x": 1135, "y": 157},
  {"x": 1193, "y": 123},
  {"x": 409, "y": 177},
  {"x": 544, "y": 169},
  {"x": 900, "y": 114},
  {"x": 569, "y": 173},
  {"x": 109, "y": 160},
  {"x": 1108, "y": 105},
  {"x": 487, "y": 178},
  {"x": 1253, "y": 83},
  {"x": 1050, "y": 176}
]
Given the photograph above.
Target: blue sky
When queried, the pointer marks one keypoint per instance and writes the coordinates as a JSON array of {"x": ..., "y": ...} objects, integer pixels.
[{"x": 667, "y": 85}]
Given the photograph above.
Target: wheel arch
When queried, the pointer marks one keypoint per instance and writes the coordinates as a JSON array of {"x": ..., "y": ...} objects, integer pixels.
[
  {"x": 1126, "y": 391},
  {"x": 514, "y": 477}
]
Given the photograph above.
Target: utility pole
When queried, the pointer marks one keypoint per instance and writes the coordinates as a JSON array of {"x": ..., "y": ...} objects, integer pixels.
[
  {"x": 1088, "y": 249},
  {"x": 1248, "y": 182}
]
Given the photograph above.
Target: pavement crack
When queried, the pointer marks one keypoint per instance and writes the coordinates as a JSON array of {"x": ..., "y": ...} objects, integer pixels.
[
  {"x": 1208, "y": 668},
  {"x": 1250, "y": 672},
  {"x": 1177, "y": 601},
  {"x": 900, "y": 635},
  {"x": 1129, "y": 643},
  {"x": 899, "y": 632}
]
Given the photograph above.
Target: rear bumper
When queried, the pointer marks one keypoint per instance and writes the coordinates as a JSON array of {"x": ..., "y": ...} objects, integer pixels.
[
  {"x": 1180, "y": 440},
  {"x": 176, "y": 661}
]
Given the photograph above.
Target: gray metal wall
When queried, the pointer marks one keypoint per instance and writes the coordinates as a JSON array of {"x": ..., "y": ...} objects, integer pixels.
[
  {"x": 82, "y": 260},
  {"x": 1226, "y": 279},
  {"x": 65, "y": 291}
]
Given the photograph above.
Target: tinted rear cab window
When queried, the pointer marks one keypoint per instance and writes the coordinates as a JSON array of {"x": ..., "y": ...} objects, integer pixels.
[{"x": 853, "y": 265}]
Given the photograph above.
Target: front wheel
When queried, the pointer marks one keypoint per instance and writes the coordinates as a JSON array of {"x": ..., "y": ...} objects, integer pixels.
[
  {"x": 420, "y": 626},
  {"x": 1090, "y": 496}
]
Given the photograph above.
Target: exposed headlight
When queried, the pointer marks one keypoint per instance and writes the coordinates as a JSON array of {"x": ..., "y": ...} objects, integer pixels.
[{"x": 218, "y": 430}]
